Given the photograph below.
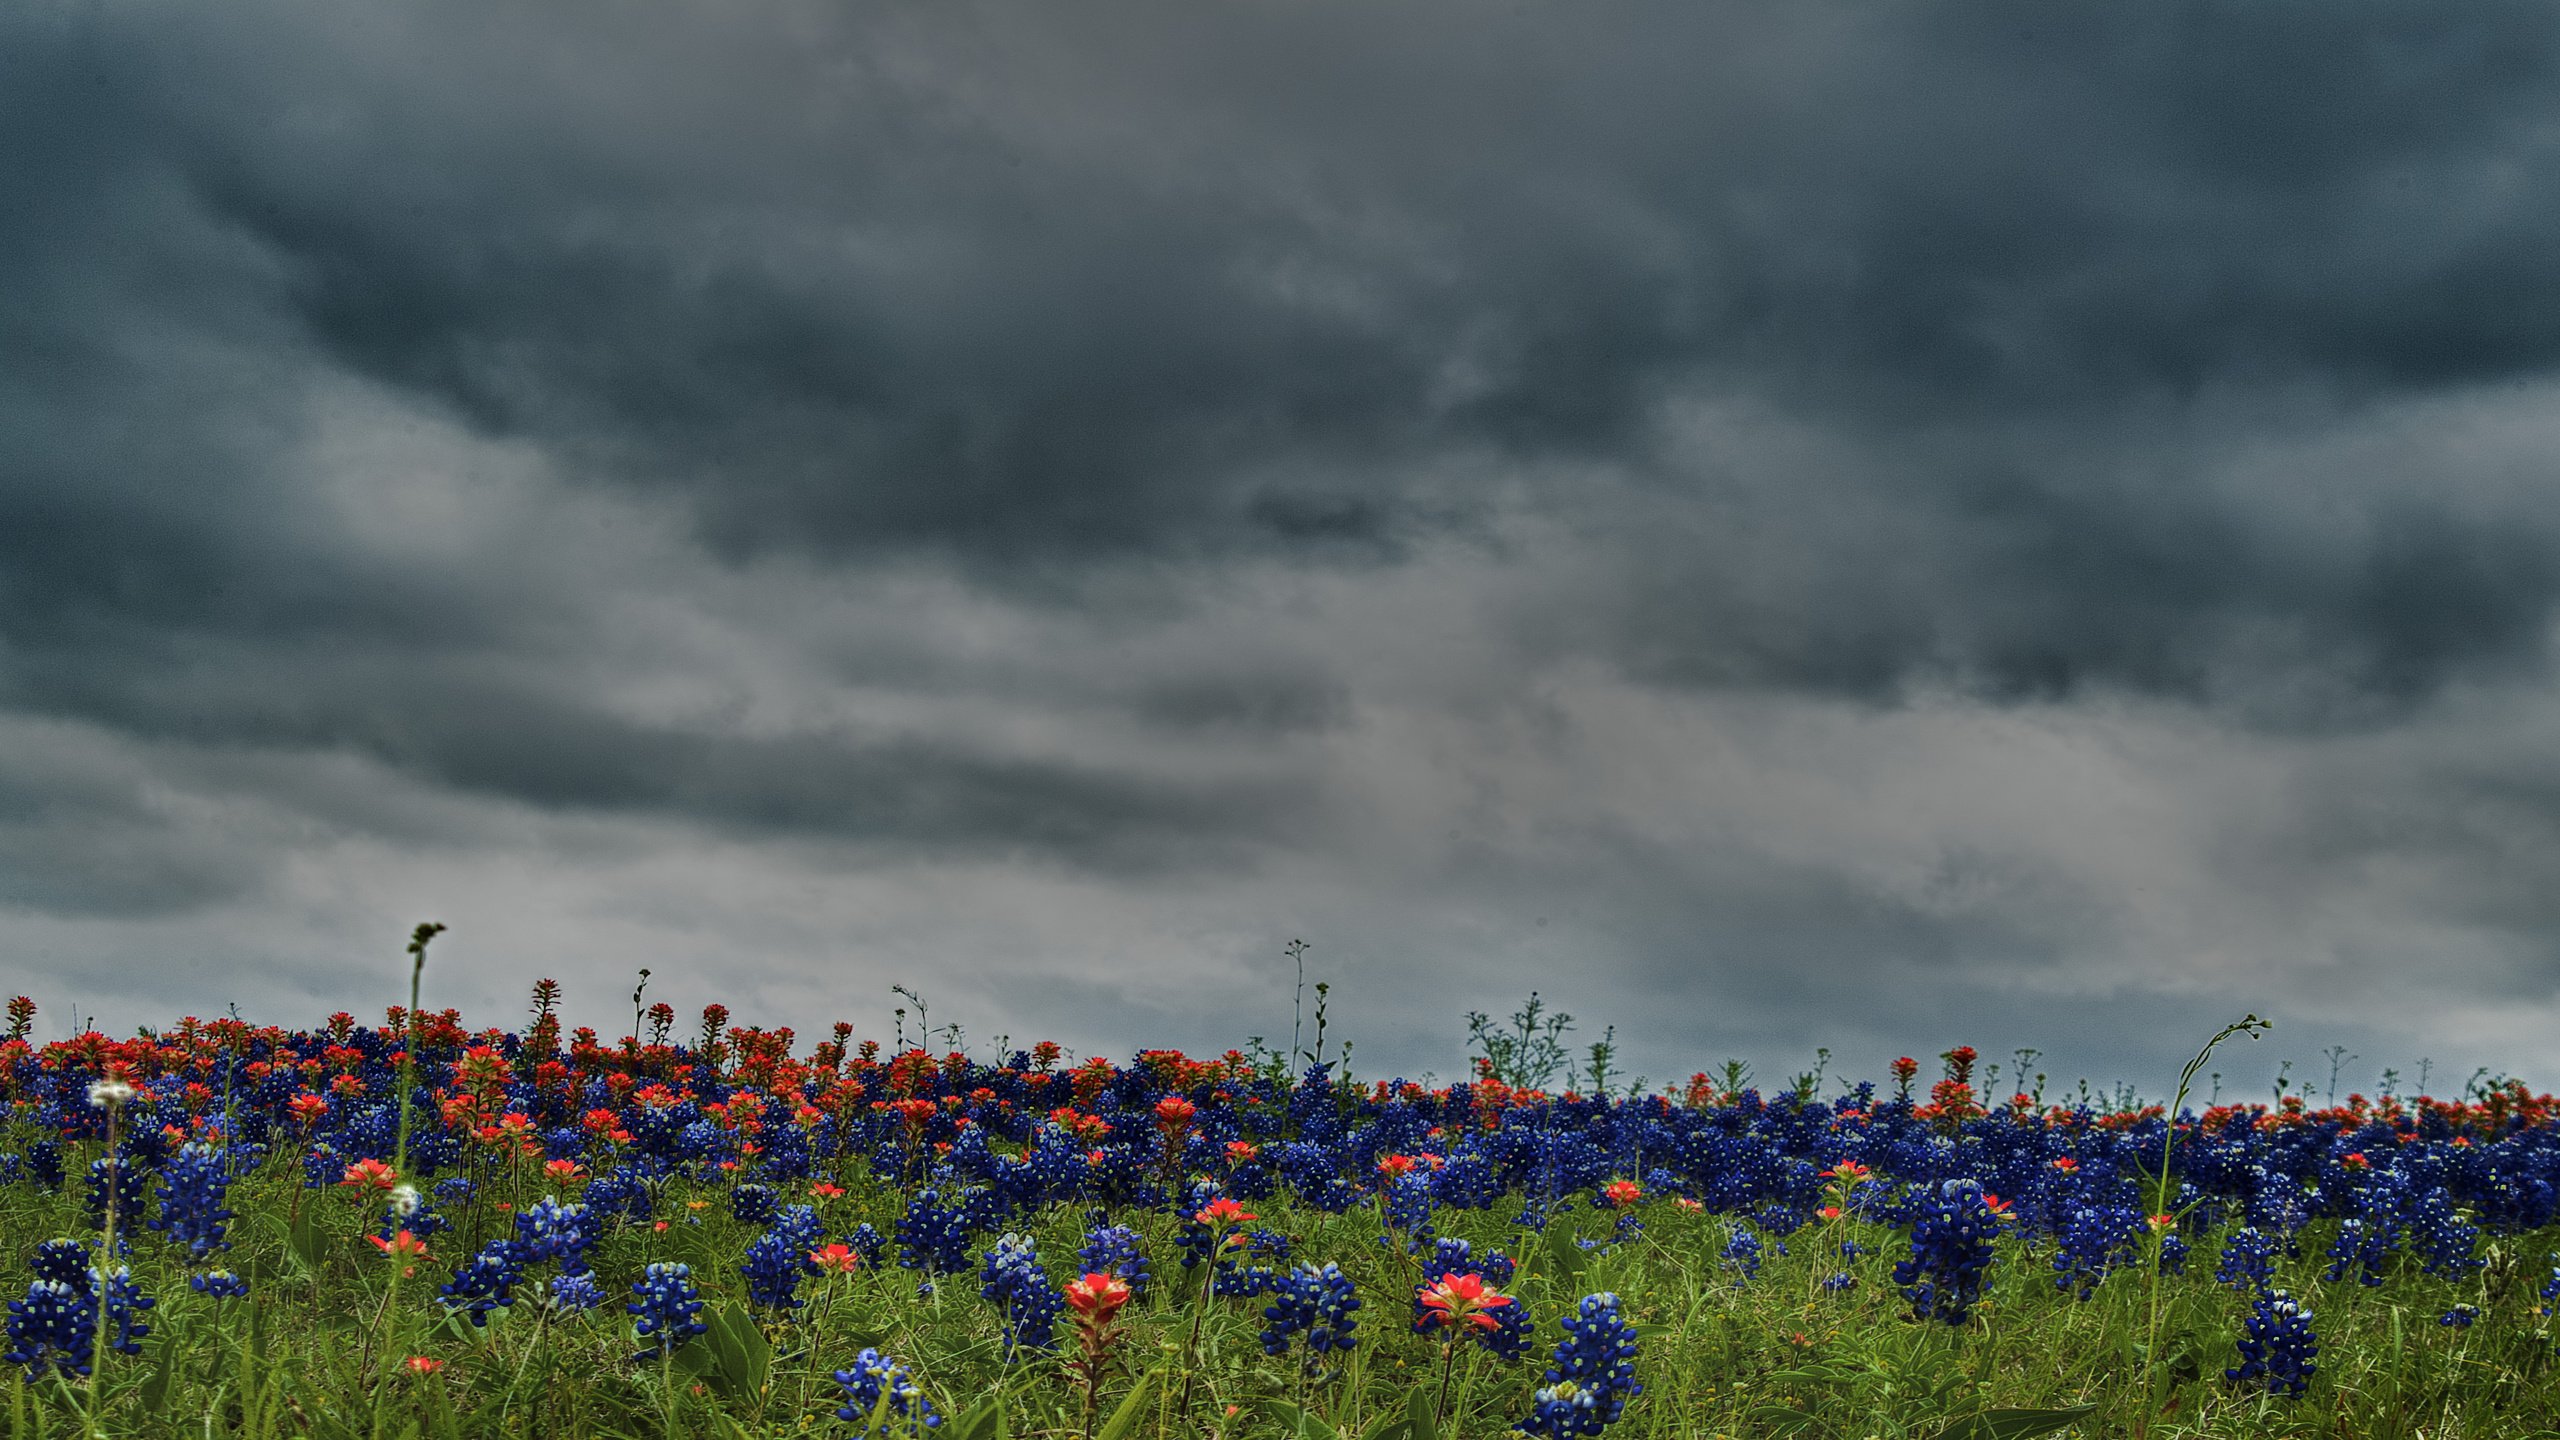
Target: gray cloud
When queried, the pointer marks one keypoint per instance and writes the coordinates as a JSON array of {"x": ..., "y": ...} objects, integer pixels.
[{"x": 1216, "y": 473}]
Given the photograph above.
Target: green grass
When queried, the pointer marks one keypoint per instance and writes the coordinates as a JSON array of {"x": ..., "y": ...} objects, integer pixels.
[{"x": 315, "y": 1351}]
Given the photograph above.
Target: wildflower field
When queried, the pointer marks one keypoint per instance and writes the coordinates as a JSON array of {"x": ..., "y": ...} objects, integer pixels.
[{"x": 229, "y": 1229}]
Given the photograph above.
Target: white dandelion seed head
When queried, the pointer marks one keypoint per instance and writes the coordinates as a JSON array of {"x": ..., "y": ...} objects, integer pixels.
[
  {"x": 404, "y": 1200},
  {"x": 108, "y": 1094}
]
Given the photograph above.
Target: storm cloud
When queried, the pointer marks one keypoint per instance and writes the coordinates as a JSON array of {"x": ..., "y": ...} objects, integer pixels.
[{"x": 1813, "y": 526}]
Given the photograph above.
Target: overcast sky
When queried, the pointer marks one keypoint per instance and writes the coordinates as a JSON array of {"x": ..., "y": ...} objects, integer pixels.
[{"x": 1778, "y": 526}]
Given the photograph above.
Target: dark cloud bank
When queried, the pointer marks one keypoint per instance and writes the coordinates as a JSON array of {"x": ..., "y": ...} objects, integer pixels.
[{"x": 1814, "y": 525}]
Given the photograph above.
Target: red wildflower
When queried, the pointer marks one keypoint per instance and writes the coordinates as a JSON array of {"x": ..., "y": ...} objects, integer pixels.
[
  {"x": 424, "y": 1365},
  {"x": 403, "y": 1247},
  {"x": 836, "y": 1259},
  {"x": 1097, "y": 1297},
  {"x": 1460, "y": 1300},
  {"x": 1622, "y": 1193},
  {"x": 1223, "y": 1211},
  {"x": 370, "y": 1174}
]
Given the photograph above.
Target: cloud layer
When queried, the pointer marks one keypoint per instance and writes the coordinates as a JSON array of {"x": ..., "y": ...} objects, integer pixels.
[{"x": 1775, "y": 527}]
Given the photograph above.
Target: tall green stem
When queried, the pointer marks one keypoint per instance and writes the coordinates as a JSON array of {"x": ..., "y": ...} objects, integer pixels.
[
  {"x": 418, "y": 940},
  {"x": 2251, "y": 1026},
  {"x": 114, "y": 1105}
]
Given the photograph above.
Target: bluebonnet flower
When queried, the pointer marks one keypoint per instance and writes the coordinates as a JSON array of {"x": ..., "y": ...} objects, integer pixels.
[
  {"x": 191, "y": 1212},
  {"x": 218, "y": 1285},
  {"x": 547, "y": 1230},
  {"x": 1113, "y": 1250},
  {"x": 666, "y": 1303},
  {"x": 2361, "y": 1244},
  {"x": 573, "y": 1294},
  {"x": 800, "y": 1228},
  {"x": 2277, "y": 1346},
  {"x": 1950, "y": 1247},
  {"x": 1408, "y": 1201},
  {"x": 1451, "y": 1257},
  {"x": 1840, "y": 1280},
  {"x": 405, "y": 1210},
  {"x": 2096, "y": 1240},
  {"x": 129, "y": 1183},
  {"x": 623, "y": 1191},
  {"x": 63, "y": 1261},
  {"x": 485, "y": 1283},
  {"x": 56, "y": 1323},
  {"x": 774, "y": 1267},
  {"x": 754, "y": 1204},
  {"x": 44, "y": 1162},
  {"x": 1316, "y": 1301},
  {"x": 2248, "y": 1259},
  {"x": 125, "y": 1304},
  {"x": 933, "y": 1238},
  {"x": 1593, "y": 1376},
  {"x": 878, "y": 1386},
  {"x": 1742, "y": 1252},
  {"x": 868, "y": 1244},
  {"x": 1015, "y": 1281},
  {"x": 2460, "y": 1317},
  {"x": 2442, "y": 1236}
]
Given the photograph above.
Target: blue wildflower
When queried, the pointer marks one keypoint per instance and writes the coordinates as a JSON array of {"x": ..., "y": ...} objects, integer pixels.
[
  {"x": 1950, "y": 1248},
  {"x": 130, "y": 1180},
  {"x": 754, "y": 1203},
  {"x": 573, "y": 1294},
  {"x": 218, "y": 1285},
  {"x": 1316, "y": 1301},
  {"x": 2277, "y": 1346},
  {"x": 194, "y": 1187},
  {"x": 879, "y": 1388},
  {"x": 2248, "y": 1259},
  {"x": 2096, "y": 1240},
  {"x": 1015, "y": 1280},
  {"x": 1113, "y": 1250},
  {"x": 56, "y": 1323},
  {"x": 1593, "y": 1376},
  {"x": 547, "y": 1230},
  {"x": 666, "y": 1304},
  {"x": 774, "y": 1267},
  {"x": 485, "y": 1283}
]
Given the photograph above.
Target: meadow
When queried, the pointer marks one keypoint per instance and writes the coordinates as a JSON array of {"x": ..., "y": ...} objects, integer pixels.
[{"x": 228, "y": 1229}]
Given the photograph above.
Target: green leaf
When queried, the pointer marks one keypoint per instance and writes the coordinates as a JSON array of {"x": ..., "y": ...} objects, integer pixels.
[
  {"x": 1126, "y": 1417},
  {"x": 1566, "y": 1260},
  {"x": 1784, "y": 1417},
  {"x": 155, "y": 1386},
  {"x": 1389, "y": 1425},
  {"x": 2014, "y": 1424},
  {"x": 982, "y": 1422},
  {"x": 1421, "y": 1423},
  {"x": 693, "y": 1362},
  {"x": 1303, "y": 1424},
  {"x": 742, "y": 1358},
  {"x": 304, "y": 1239}
]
